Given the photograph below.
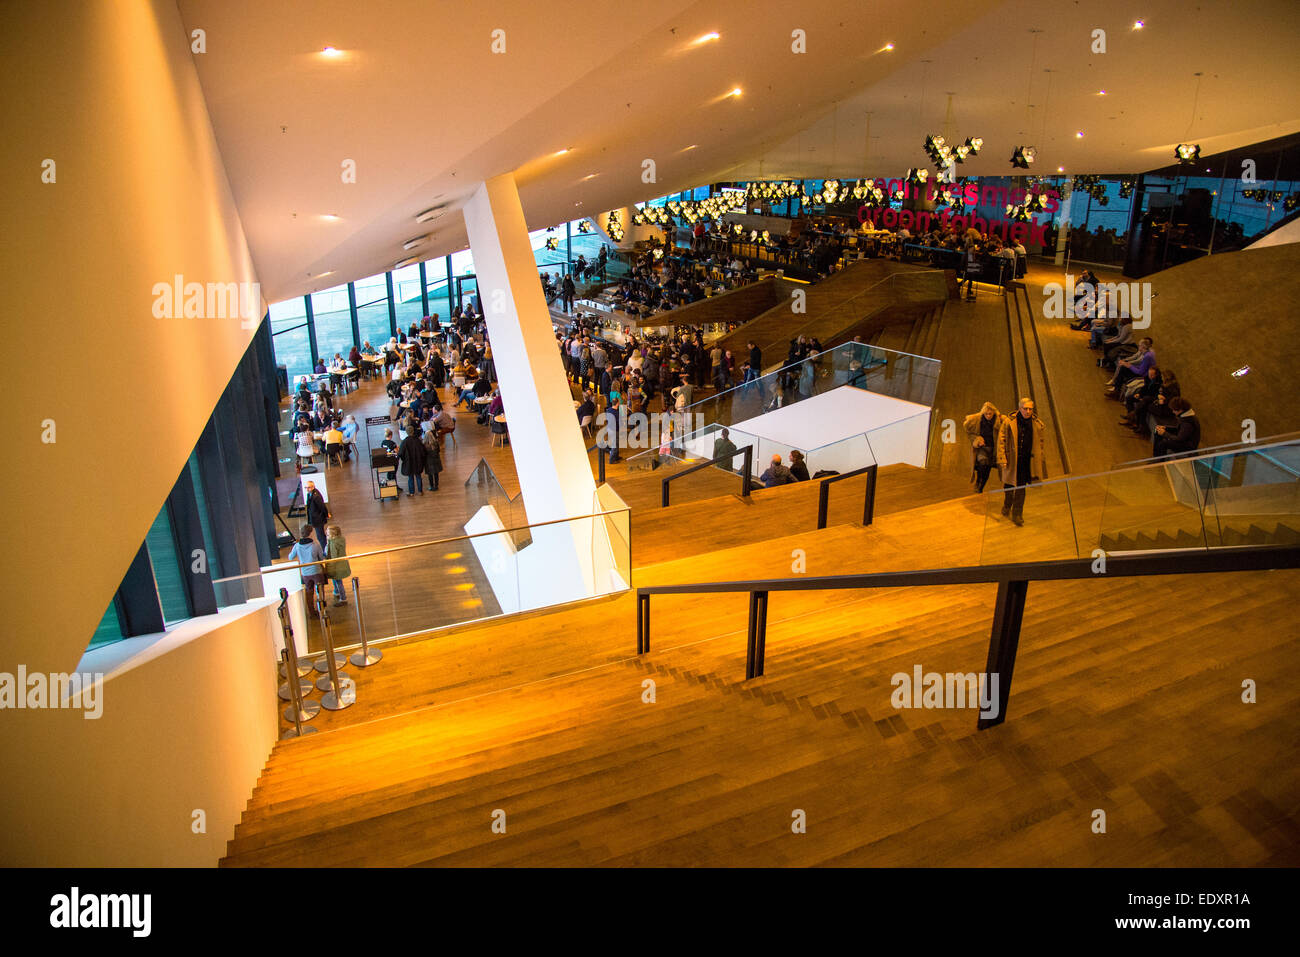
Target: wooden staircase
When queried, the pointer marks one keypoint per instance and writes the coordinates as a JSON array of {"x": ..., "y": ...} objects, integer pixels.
[
  {"x": 542, "y": 717},
  {"x": 1228, "y": 531},
  {"x": 1108, "y": 712}
]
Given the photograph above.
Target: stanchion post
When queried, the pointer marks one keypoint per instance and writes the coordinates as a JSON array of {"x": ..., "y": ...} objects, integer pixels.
[
  {"x": 295, "y": 712},
  {"x": 365, "y": 657},
  {"x": 321, "y": 664},
  {"x": 286, "y": 627},
  {"x": 289, "y": 665},
  {"x": 336, "y": 696}
]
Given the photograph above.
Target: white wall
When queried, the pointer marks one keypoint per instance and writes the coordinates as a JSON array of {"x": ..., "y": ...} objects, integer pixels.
[
  {"x": 189, "y": 718},
  {"x": 109, "y": 92}
]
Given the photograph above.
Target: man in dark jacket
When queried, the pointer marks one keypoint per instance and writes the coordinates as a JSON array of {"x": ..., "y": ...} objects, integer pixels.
[
  {"x": 724, "y": 446},
  {"x": 776, "y": 474},
  {"x": 318, "y": 512},
  {"x": 410, "y": 456},
  {"x": 1181, "y": 437}
]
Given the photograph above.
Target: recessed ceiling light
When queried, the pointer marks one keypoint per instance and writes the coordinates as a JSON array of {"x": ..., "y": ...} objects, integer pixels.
[
  {"x": 707, "y": 37},
  {"x": 888, "y": 46},
  {"x": 1138, "y": 24},
  {"x": 591, "y": 176},
  {"x": 691, "y": 147},
  {"x": 562, "y": 152},
  {"x": 1101, "y": 92},
  {"x": 735, "y": 91},
  {"x": 331, "y": 52},
  {"x": 1078, "y": 134},
  {"x": 1060, "y": 169},
  {"x": 331, "y": 217},
  {"x": 418, "y": 240},
  {"x": 320, "y": 274}
]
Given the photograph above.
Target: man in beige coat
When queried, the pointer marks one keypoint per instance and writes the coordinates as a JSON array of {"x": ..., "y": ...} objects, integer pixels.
[{"x": 1021, "y": 457}]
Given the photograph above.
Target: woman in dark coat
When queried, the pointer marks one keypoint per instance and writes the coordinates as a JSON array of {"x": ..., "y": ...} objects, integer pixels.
[
  {"x": 432, "y": 458},
  {"x": 436, "y": 370},
  {"x": 410, "y": 456},
  {"x": 798, "y": 467}
]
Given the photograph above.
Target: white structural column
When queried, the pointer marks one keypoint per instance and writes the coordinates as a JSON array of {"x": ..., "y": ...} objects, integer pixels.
[
  {"x": 554, "y": 472},
  {"x": 564, "y": 562}
]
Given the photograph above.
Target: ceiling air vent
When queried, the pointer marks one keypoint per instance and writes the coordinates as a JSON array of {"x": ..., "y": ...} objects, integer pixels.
[{"x": 432, "y": 213}]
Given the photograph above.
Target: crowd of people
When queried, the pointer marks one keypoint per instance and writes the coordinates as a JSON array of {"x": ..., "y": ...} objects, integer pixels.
[
  {"x": 669, "y": 369},
  {"x": 677, "y": 276},
  {"x": 1155, "y": 407}
]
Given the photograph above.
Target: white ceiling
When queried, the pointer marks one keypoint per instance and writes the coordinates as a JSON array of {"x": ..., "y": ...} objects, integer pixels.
[{"x": 426, "y": 110}]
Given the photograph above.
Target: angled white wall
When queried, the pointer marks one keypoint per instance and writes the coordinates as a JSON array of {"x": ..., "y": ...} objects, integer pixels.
[{"x": 109, "y": 93}]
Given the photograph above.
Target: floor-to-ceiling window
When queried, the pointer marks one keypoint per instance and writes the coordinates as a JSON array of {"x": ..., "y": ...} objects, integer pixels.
[
  {"x": 372, "y": 309},
  {"x": 333, "y": 318},
  {"x": 436, "y": 287},
  {"x": 407, "y": 296},
  {"x": 289, "y": 336}
]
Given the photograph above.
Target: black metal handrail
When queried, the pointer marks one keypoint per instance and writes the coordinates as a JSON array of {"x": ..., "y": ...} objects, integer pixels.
[
  {"x": 746, "y": 471},
  {"x": 869, "y": 500},
  {"x": 1012, "y": 580}
]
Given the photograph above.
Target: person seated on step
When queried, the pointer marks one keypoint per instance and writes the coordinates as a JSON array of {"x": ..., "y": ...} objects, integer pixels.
[
  {"x": 776, "y": 474},
  {"x": 1134, "y": 368},
  {"x": 1157, "y": 411},
  {"x": 1138, "y": 400},
  {"x": 1181, "y": 437},
  {"x": 798, "y": 467}
]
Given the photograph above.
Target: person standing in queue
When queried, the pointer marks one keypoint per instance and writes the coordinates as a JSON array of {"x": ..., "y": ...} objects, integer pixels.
[
  {"x": 336, "y": 565},
  {"x": 318, "y": 513},
  {"x": 432, "y": 457},
  {"x": 410, "y": 457}
]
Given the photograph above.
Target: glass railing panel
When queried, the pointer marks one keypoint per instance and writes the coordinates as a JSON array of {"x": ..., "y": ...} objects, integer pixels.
[
  {"x": 1087, "y": 496},
  {"x": 1252, "y": 496},
  {"x": 904, "y": 442},
  {"x": 1157, "y": 507},
  {"x": 1047, "y": 531},
  {"x": 895, "y": 374},
  {"x": 843, "y": 456},
  {"x": 417, "y": 591}
]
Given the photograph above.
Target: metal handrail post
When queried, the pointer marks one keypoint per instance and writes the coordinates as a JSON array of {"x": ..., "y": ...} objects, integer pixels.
[{"x": 365, "y": 657}]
